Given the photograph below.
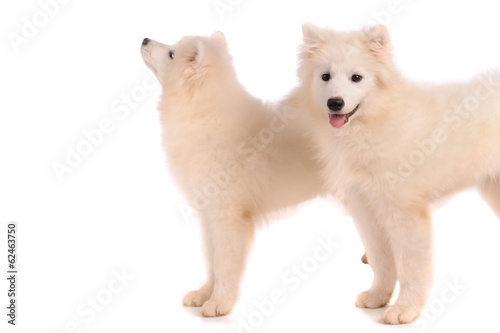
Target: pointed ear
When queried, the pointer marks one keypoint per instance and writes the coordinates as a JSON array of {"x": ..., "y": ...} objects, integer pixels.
[
  {"x": 311, "y": 34},
  {"x": 197, "y": 53},
  {"x": 220, "y": 40},
  {"x": 378, "y": 41},
  {"x": 196, "y": 59},
  {"x": 219, "y": 35}
]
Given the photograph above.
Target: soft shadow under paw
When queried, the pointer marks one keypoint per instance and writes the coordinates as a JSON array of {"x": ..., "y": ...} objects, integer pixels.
[{"x": 375, "y": 315}]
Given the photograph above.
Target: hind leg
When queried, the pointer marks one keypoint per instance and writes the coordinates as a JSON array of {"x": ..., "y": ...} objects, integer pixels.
[{"x": 490, "y": 191}]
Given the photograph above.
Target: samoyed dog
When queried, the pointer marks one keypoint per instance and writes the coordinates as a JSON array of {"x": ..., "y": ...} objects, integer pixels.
[
  {"x": 235, "y": 159},
  {"x": 390, "y": 147}
]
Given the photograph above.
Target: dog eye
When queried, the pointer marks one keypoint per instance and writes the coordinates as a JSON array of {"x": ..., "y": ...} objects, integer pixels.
[
  {"x": 356, "y": 78},
  {"x": 171, "y": 54},
  {"x": 325, "y": 77}
]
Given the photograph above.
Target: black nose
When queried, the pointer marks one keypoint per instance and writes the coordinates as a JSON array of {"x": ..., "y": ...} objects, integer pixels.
[
  {"x": 145, "y": 41},
  {"x": 335, "y": 104}
]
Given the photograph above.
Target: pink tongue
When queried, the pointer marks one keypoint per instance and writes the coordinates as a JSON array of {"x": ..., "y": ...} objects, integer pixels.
[{"x": 337, "y": 120}]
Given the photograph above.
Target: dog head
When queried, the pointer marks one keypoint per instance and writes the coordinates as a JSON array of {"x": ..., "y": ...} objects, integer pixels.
[
  {"x": 186, "y": 62},
  {"x": 344, "y": 69}
]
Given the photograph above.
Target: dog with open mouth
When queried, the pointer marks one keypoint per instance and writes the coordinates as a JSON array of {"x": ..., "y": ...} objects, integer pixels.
[{"x": 390, "y": 147}]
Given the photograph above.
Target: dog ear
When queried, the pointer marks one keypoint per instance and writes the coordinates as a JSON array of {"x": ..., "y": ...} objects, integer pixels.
[
  {"x": 196, "y": 53},
  {"x": 199, "y": 48},
  {"x": 220, "y": 39},
  {"x": 311, "y": 34},
  {"x": 195, "y": 71},
  {"x": 378, "y": 41},
  {"x": 219, "y": 35}
]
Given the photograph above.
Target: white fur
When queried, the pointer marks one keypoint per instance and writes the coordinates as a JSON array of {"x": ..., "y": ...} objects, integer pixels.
[
  {"x": 236, "y": 159},
  {"x": 407, "y": 145}
]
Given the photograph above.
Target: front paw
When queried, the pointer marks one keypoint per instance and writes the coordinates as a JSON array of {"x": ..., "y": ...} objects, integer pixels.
[
  {"x": 213, "y": 308},
  {"x": 195, "y": 298},
  {"x": 372, "y": 300},
  {"x": 396, "y": 315}
]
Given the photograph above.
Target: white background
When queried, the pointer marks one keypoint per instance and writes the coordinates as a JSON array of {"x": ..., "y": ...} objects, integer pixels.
[{"x": 118, "y": 209}]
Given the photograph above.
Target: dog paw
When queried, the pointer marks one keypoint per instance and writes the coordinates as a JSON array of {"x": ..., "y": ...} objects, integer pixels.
[
  {"x": 372, "y": 300},
  {"x": 215, "y": 309},
  {"x": 195, "y": 298},
  {"x": 396, "y": 315}
]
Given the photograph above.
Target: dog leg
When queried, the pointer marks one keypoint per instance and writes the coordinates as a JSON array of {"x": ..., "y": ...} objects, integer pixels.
[
  {"x": 381, "y": 260},
  {"x": 232, "y": 236},
  {"x": 409, "y": 233},
  {"x": 200, "y": 296}
]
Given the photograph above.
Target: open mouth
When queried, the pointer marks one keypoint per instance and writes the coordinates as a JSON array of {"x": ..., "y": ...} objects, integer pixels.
[{"x": 339, "y": 120}]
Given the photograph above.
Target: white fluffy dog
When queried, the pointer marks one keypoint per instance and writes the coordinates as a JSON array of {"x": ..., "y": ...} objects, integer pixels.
[
  {"x": 235, "y": 159},
  {"x": 391, "y": 147}
]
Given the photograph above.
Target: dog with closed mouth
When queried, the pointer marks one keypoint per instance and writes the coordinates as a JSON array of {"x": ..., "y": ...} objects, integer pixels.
[{"x": 236, "y": 159}]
